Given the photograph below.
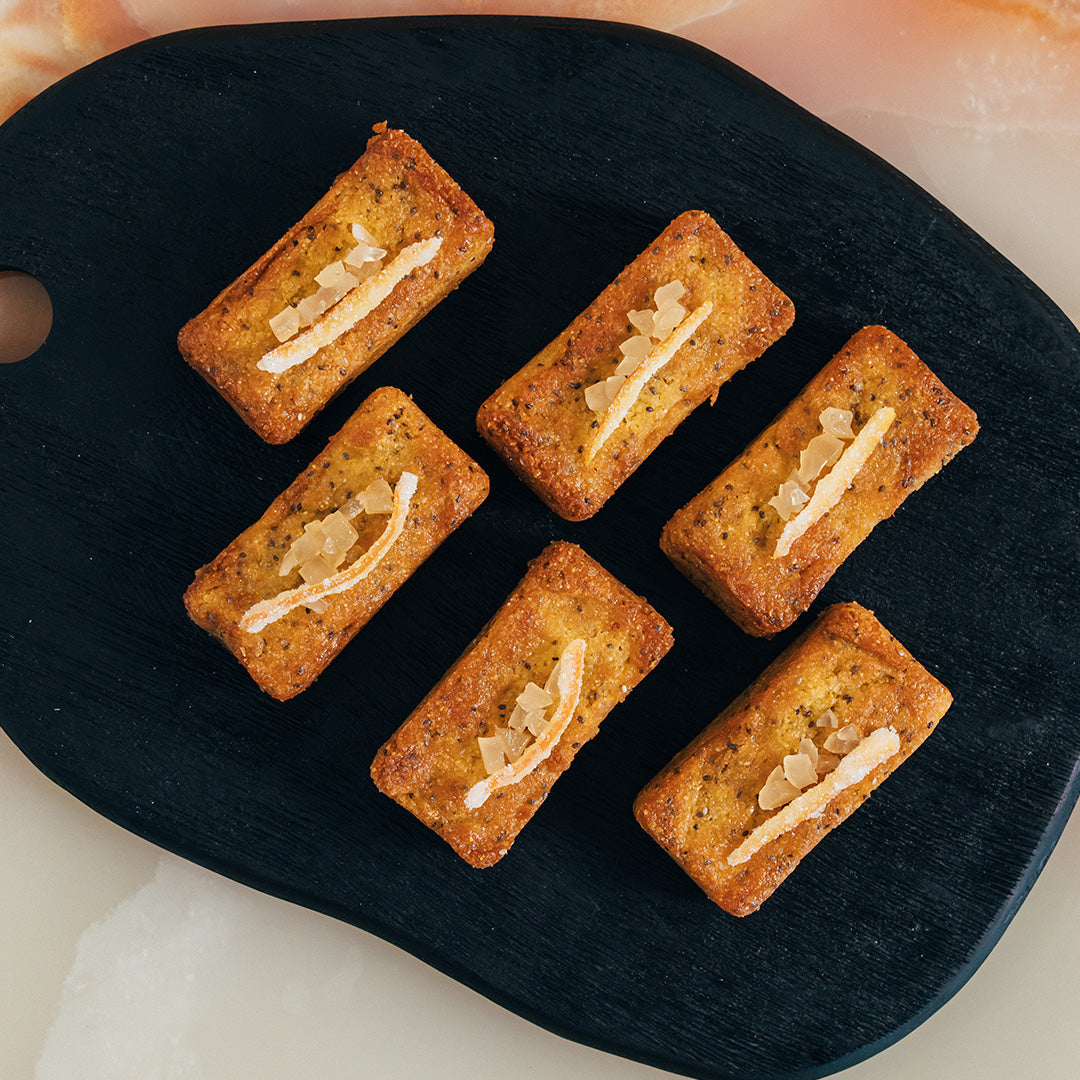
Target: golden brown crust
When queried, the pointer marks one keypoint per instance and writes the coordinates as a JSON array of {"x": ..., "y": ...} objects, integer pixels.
[
  {"x": 386, "y": 436},
  {"x": 433, "y": 759},
  {"x": 538, "y": 420},
  {"x": 703, "y": 804},
  {"x": 400, "y": 195},
  {"x": 723, "y": 539}
]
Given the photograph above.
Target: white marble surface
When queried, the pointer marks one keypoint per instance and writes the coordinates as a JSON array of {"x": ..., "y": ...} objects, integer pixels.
[
  {"x": 125, "y": 963},
  {"x": 121, "y": 962}
]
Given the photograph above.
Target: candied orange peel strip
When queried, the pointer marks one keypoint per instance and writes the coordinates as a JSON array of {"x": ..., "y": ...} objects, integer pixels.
[
  {"x": 876, "y": 748},
  {"x": 571, "y": 675},
  {"x": 265, "y": 612},
  {"x": 357, "y": 303},
  {"x": 654, "y": 360},
  {"x": 831, "y": 487}
]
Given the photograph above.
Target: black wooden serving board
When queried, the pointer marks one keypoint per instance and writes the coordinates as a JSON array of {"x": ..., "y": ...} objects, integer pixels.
[{"x": 141, "y": 185}]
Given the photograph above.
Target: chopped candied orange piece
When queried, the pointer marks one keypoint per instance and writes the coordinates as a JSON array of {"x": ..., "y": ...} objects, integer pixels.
[
  {"x": 635, "y": 382},
  {"x": 832, "y": 486},
  {"x": 571, "y": 675},
  {"x": 260, "y": 615},
  {"x": 347, "y": 312},
  {"x": 876, "y": 748}
]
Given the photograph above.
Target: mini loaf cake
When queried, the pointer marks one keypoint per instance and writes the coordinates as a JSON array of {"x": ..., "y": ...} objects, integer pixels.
[
  {"x": 391, "y": 238},
  {"x": 291, "y": 591},
  {"x": 664, "y": 336},
  {"x": 767, "y": 534},
  {"x": 791, "y": 757},
  {"x": 480, "y": 753}
]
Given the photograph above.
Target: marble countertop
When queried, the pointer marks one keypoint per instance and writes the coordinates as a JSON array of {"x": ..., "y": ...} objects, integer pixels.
[{"x": 126, "y": 962}]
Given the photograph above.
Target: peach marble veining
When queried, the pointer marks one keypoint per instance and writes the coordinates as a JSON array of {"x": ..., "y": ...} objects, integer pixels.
[
  {"x": 961, "y": 61},
  {"x": 975, "y": 64}
]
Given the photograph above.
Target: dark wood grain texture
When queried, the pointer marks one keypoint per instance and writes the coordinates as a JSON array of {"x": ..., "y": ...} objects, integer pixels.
[{"x": 138, "y": 187}]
